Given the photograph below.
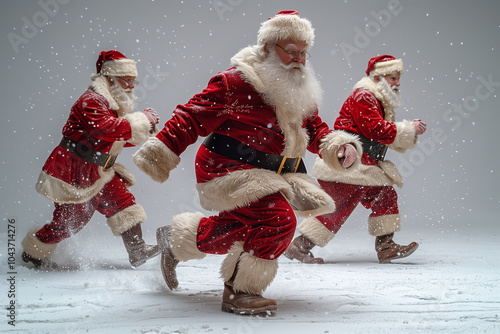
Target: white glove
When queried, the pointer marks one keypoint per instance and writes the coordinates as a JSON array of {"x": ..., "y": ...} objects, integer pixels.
[
  {"x": 152, "y": 116},
  {"x": 347, "y": 155}
]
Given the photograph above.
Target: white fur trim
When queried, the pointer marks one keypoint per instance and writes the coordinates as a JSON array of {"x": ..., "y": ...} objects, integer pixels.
[
  {"x": 100, "y": 85},
  {"x": 371, "y": 86},
  {"x": 63, "y": 193},
  {"x": 119, "y": 68},
  {"x": 140, "y": 127},
  {"x": 254, "y": 275},
  {"x": 231, "y": 260},
  {"x": 406, "y": 137},
  {"x": 281, "y": 27},
  {"x": 35, "y": 248},
  {"x": 128, "y": 177},
  {"x": 383, "y": 225},
  {"x": 330, "y": 146},
  {"x": 308, "y": 199},
  {"x": 388, "y": 67},
  {"x": 156, "y": 159},
  {"x": 184, "y": 230},
  {"x": 126, "y": 219},
  {"x": 315, "y": 231},
  {"x": 240, "y": 188},
  {"x": 386, "y": 174}
]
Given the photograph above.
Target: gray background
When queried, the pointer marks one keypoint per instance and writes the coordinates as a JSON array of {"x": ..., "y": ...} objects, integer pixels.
[{"x": 450, "y": 51}]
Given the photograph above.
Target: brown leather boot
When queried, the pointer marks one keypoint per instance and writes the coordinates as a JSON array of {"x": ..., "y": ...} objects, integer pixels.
[
  {"x": 388, "y": 250},
  {"x": 138, "y": 251},
  {"x": 245, "y": 303},
  {"x": 168, "y": 261},
  {"x": 300, "y": 249},
  {"x": 39, "y": 264}
]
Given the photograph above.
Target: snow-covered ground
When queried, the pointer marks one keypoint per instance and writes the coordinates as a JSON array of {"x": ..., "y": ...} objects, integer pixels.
[{"x": 449, "y": 285}]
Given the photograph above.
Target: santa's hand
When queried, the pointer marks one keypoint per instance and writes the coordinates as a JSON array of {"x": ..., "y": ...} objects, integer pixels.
[
  {"x": 420, "y": 126},
  {"x": 347, "y": 155},
  {"x": 152, "y": 116}
]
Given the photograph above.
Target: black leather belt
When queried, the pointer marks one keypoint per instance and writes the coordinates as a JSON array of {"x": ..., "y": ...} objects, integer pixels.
[
  {"x": 102, "y": 159},
  {"x": 372, "y": 147},
  {"x": 236, "y": 150}
]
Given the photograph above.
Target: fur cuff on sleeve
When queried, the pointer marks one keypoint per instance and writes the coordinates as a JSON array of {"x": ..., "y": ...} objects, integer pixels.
[
  {"x": 156, "y": 159},
  {"x": 330, "y": 146},
  {"x": 406, "y": 137},
  {"x": 140, "y": 127}
]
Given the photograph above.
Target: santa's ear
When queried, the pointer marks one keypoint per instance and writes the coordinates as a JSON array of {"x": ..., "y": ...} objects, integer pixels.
[
  {"x": 376, "y": 78},
  {"x": 265, "y": 48}
]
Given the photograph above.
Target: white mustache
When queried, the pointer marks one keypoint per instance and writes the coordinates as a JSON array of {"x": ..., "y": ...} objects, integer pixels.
[{"x": 293, "y": 65}]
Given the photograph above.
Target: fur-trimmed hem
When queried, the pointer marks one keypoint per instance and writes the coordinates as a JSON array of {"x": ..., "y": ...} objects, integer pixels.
[
  {"x": 123, "y": 172},
  {"x": 156, "y": 159},
  {"x": 406, "y": 137},
  {"x": 229, "y": 263},
  {"x": 240, "y": 188},
  {"x": 308, "y": 199},
  {"x": 64, "y": 193},
  {"x": 383, "y": 225},
  {"x": 140, "y": 126},
  {"x": 35, "y": 248},
  {"x": 126, "y": 219},
  {"x": 315, "y": 231},
  {"x": 331, "y": 144},
  {"x": 184, "y": 230},
  {"x": 254, "y": 275},
  {"x": 386, "y": 174}
]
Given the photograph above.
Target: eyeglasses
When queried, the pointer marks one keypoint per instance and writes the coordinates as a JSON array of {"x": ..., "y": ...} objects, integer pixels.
[
  {"x": 295, "y": 54},
  {"x": 129, "y": 81}
]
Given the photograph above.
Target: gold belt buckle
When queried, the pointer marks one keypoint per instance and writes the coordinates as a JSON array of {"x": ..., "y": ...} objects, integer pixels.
[
  {"x": 283, "y": 164},
  {"x": 109, "y": 162}
]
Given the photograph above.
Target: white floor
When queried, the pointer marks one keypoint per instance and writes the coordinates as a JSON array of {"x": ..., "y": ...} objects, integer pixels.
[{"x": 449, "y": 285}]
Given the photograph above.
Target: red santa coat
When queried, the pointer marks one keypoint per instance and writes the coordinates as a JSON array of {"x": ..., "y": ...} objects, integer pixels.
[
  {"x": 233, "y": 105},
  {"x": 366, "y": 112},
  {"x": 96, "y": 121}
]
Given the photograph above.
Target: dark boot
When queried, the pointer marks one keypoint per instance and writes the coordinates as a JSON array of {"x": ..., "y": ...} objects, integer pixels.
[
  {"x": 388, "y": 250},
  {"x": 243, "y": 303},
  {"x": 300, "y": 249},
  {"x": 39, "y": 264},
  {"x": 138, "y": 251},
  {"x": 168, "y": 261}
]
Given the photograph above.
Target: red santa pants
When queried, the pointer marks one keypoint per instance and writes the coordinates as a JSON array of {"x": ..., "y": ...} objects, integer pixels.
[
  {"x": 69, "y": 219},
  {"x": 266, "y": 227},
  {"x": 382, "y": 200}
]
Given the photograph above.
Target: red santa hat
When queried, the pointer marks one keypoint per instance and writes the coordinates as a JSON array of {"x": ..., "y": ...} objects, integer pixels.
[
  {"x": 116, "y": 64},
  {"x": 384, "y": 65},
  {"x": 286, "y": 24}
]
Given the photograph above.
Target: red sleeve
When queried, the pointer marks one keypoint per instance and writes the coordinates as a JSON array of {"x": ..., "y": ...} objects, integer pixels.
[
  {"x": 317, "y": 129},
  {"x": 367, "y": 113},
  {"x": 92, "y": 114},
  {"x": 199, "y": 117}
]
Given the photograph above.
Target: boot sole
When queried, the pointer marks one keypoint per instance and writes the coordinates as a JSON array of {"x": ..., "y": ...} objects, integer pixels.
[
  {"x": 267, "y": 310},
  {"x": 400, "y": 256}
]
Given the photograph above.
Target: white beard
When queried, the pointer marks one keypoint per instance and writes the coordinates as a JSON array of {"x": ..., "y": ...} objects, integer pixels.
[
  {"x": 124, "y": 97},
  {"x": 297, "y": 93},
  {"x": 391, "y": 94}
]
